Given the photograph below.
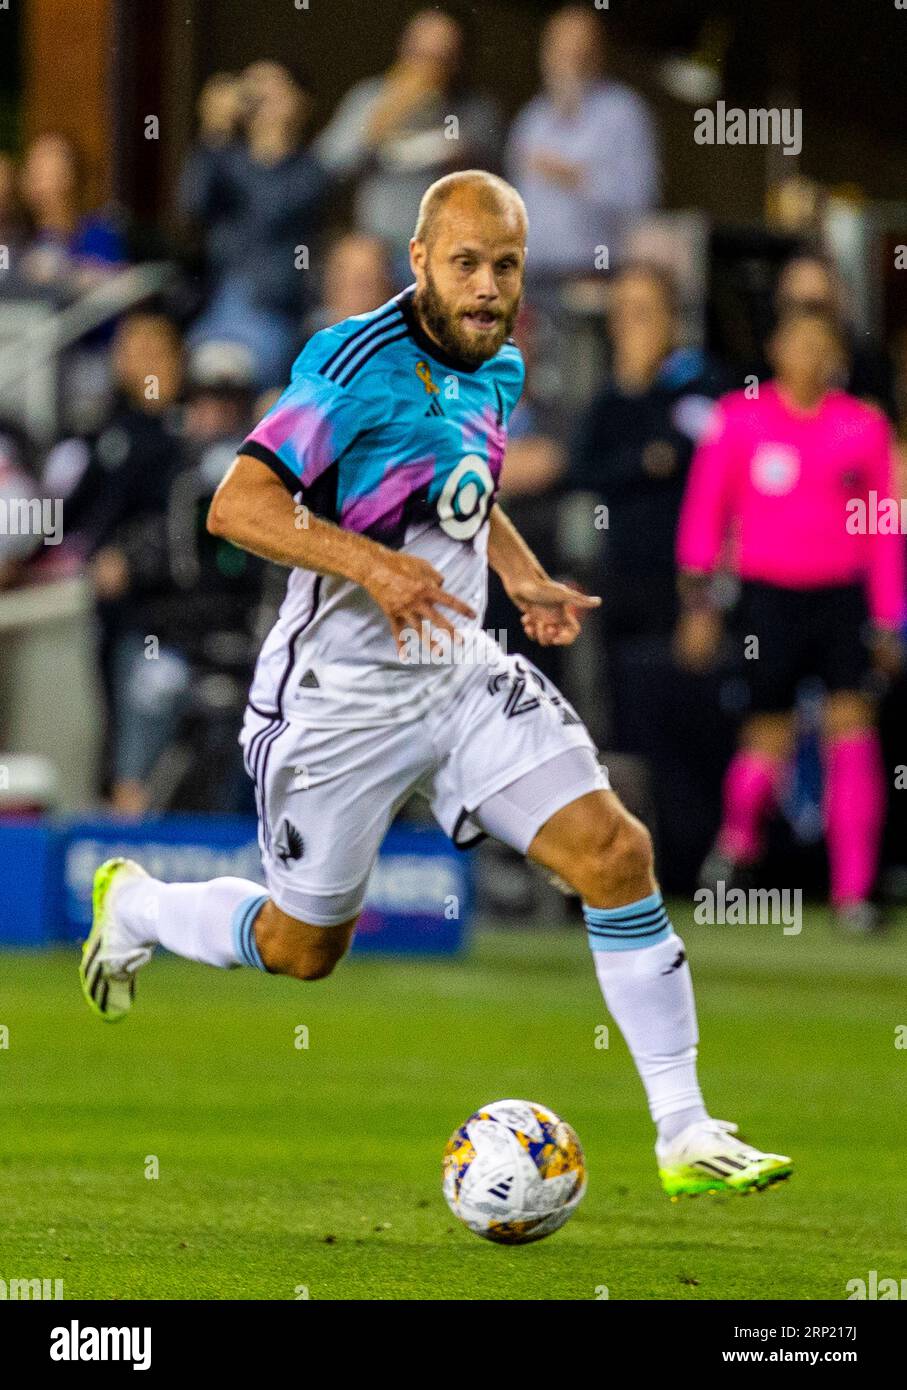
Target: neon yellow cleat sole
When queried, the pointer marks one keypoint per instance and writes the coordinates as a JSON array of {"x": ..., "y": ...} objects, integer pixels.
[
  {"x": 694, "y": 1182},
  {"x": 108, "y": 991}
]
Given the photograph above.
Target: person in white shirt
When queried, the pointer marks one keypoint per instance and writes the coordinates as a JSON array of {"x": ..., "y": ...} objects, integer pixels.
[{"x": 582, "y": 152}]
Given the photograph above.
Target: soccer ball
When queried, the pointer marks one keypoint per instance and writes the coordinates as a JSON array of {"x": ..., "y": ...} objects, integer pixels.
[{"x": 514, "y": 1172}]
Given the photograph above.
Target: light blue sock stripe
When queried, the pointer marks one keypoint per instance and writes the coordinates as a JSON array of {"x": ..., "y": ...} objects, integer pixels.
[
  {"x": 607, "y": 916},
  {"x": 243, "y": 923},
  {"x": 238, "y": 924},
  {"x": 629, "y": 928}
]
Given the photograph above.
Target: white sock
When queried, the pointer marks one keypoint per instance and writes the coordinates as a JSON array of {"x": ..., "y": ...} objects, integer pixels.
[
  {"x": 211, "y": 922},
  {"x": 649, "y": 992}
]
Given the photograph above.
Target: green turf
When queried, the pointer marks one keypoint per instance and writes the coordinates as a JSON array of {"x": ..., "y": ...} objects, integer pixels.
[{"x": 283, "y": 1167}]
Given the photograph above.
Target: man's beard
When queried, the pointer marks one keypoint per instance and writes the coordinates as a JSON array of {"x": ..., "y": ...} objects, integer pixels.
[{"x": 444, "y": 326}]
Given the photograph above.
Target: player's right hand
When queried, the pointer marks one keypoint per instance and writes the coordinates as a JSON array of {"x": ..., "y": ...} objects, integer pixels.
[{"x": 409, "y": 592}]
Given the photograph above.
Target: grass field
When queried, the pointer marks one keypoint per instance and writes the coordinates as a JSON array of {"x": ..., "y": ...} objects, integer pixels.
[{"x": 283, "y": 1167}]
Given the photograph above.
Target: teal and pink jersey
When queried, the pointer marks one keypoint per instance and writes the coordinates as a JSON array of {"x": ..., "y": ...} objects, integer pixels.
[
  {"x": 774, "y": 494},
  {"x": 383, "y": 433}
]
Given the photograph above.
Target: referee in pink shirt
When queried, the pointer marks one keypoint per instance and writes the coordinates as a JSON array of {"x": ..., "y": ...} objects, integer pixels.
[{"x": 784, "y": 491}]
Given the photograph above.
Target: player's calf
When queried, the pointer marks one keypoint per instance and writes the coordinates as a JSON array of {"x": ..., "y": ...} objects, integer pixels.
[
  {"x": 224, "y": 922},
  {"x": 605, "y": 854},
  {"x": 290, "y": 947}
]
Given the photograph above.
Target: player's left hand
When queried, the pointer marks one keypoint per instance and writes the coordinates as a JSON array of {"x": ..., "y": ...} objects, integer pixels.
[{"x": 551, "y": 610}]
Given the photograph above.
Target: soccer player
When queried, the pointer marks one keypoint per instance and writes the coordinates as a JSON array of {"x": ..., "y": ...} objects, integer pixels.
[
  {"x": 792, "y": 477},
  {"x": 373, "y": 479}
]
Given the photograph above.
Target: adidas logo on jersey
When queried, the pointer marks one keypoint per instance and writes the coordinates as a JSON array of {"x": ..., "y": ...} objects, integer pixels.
[{"x": 310, "y": 681}]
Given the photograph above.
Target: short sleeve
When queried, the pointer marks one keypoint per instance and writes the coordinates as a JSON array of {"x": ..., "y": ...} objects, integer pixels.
[{"x": 307, "y": 430}]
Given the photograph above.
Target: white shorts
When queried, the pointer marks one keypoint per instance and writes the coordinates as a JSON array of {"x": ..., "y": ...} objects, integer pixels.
[{"x": 326, "y": 795}]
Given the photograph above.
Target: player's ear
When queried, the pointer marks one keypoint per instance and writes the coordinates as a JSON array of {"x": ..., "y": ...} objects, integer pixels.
[{"x": 417, "y": 255}]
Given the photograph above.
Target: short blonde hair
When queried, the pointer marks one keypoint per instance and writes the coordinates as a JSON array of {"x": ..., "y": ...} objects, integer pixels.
[{"x": 493, "y": 194}]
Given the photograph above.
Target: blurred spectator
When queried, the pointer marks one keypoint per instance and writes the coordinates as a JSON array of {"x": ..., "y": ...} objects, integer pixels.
[
  {"x": 13, "y": 221},
  {"x": 395, "y": 134},
  {"x": 782, "y": 491},
  {"x": 176, "y": 607},
  {"x": 357, "y": 278},
  {"x": 632, "y": 452},
  {"x": 18, "y": 487},
  {"x": 66, "y": 242},
  {"x": 259, "y": 197},
  {"x": 114, "y": 482},
  {"x": 796, "y": 206},
  {"x": 116, "y": 473},
  {"x": 633, "y": 449},
  {"x": 582, "y": 153},
  {"x": 219, "y": 392},
  {"x": 200, "y": 596},
  {"x": 813, "y": 281}
]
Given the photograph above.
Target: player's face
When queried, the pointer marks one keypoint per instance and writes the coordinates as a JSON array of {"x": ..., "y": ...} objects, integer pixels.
[
  {"x": 146, "y": 348},
  {"x": 641, "y": 322},
  {"x": 469, "y": 281},
  {"x": 806, "y": 355},
  {"x": 571, "y": 51}
]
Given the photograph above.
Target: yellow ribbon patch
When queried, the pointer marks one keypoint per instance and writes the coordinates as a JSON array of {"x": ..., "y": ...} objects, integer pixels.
[{"x": 423, "y": 372}]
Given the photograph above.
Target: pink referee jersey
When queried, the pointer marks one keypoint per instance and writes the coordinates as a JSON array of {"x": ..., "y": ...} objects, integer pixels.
[{"x": 768, "y": 494}]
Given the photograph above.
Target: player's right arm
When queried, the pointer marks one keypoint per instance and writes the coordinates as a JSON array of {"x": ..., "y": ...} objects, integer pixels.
[
  {"x": 254, "y": 510},
  {"x": 273, "y": 499}
]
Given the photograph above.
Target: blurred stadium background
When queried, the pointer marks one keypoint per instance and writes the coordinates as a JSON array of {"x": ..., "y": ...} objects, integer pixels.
[{"x": 186, "y": 195}]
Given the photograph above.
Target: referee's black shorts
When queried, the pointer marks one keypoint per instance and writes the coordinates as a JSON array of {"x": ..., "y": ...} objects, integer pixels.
[{"x": 818, "y": 633}]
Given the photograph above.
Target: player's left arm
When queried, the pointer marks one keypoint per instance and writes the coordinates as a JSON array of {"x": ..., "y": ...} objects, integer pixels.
[{"x": 551, "y": 610}]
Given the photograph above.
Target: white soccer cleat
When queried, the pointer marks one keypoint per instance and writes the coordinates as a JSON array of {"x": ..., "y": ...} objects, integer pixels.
[
  {"x": 109, "y": 961},
  {"x": 705, "y": 1157}
]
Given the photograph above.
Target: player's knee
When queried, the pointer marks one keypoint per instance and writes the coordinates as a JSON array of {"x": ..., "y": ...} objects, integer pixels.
[
  {"x": 306, "y": 961},
  {"x": 618, "y": 859},
  {"x": 847, "y": 712},
  {"x": 769, "y": 734},
  {"x": 294, "y": 948},
  {"x": 311, "y": 965}
]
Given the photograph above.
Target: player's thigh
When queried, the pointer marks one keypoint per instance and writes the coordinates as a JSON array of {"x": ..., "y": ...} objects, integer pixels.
[
  {"x": 301, "y": 949},
  {"x": 507, "y": 721},
  {"x": 842, "y": 656},
  {"x": 772, "y": 655},
  {"x": 844, "y": 661},
  {"x": 522, "y": 767},
  {"x": 326, "y": 797}
]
